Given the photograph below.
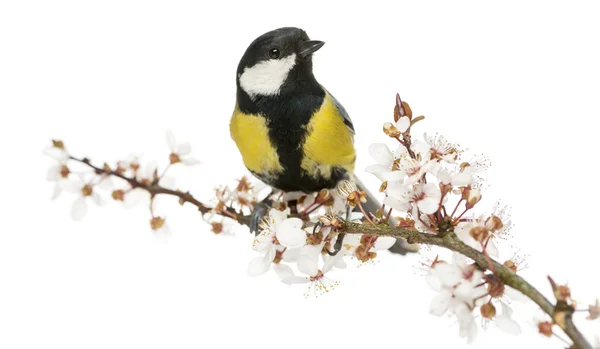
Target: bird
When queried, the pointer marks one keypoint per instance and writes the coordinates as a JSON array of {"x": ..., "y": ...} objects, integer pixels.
[{"x": 291, "y": 132}]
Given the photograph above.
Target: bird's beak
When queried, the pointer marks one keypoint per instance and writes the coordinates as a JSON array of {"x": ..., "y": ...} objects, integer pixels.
[{"x": 309, "y": 47}]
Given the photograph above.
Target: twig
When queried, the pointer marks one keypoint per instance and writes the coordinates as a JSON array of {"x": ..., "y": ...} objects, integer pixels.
[
  {"x": 155, "y": 189},
  {"x": 449, "y": 240},
  {"x": 452, "y": 242}
]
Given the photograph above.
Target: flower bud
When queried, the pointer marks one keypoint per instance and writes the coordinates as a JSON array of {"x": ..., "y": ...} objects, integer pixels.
[
  {"x": 479, "y": 233},
  {"x": 58, "y": 144},
  {"x": 495, "y": 287},
  {"x": 391, "y": 130},
  {"x": 511, "y": 265},
  {"x": 87, "y": 190},
  {"x": 323, "y": 196},
  {"x": 157, "y": 223},
  {"x": 216, "y": 227},
  {"x": 383, "y": 186},
  {"x": 471, "y": 196},
  {"x": 594, "y": 310},
  {"x": 494, "y": 223},
  {"x": 545, "y": 328},
  {"x": 118, "y": 195},
  {"x": 174, "y": 158},
  {"x": 64, "y": 171},
  {"x": 488, "y": 310}
]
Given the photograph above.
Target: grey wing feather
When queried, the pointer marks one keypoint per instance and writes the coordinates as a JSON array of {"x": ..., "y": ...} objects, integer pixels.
[{"x": 343, "y": 113}]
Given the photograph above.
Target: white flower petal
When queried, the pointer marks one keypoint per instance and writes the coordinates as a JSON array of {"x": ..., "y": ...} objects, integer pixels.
[
  {"x": 290, "y": 234},
  {"x": 396, "y": 204},
  {"x": 381, "y": 154},
  {"x": 331, "y": 261},
  {"x": 467, "y": 325},
  {"x": 167, "y": 182},
  {"x": 171, "y": 141},
  {"x": 277, "y": 216},
  {"x": 57, "y": 154},
  {"x": 53, "y": 173},
  {"x": 440, "y": 304},
  {"x": 462, "y": 178},
  {"x": 184, "y": 149},
  {"x": 391, "y": 176},
  {"x": 79, "y": 208},
  {"x": 492, "y": 249},
  {"x": 448, "y": 274},
  {"x": 506, "y": 310},
  {"x": 295, "y": 280},
  {"x": 432, "y": 190},
  {"x": 403, "y": 124},
  {"x": 258, "y": 265},
  {"x": 434, "y": 282},
  {"x": 428, "y": 205},
  {"x": 383, "y": 243},
  {"x": 308, "y": 200},
  {"x": 340, "y": 264},
  {"x": 97, "y": 199},
  {"x": 507, "y": 324},
  {"x": 397, "y": 190},
  {"x": 283, "y": 271},
  {"x": 444, "y": 176},
  {"x": 291, "y": 254},
  {"x": 377, "y": 168},
  {"x": 56, "y": 191},
  {"x": 400, "y": 150},
  {"x": 308, "y": 265},
  {"x": 135, "y": 197},
  {"x": 106, "y": 184},
  {"x": 421, "y": 147},
  {"x": 71, "y": 186}
]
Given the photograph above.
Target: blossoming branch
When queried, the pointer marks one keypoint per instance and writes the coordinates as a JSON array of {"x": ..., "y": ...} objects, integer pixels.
[{"x": 431, "y": 196}]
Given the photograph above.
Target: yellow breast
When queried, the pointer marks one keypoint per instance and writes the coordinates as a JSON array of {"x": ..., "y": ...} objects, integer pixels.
[
  {"x": 251, "y": 136},
  {"x": 329, "y": 142}
]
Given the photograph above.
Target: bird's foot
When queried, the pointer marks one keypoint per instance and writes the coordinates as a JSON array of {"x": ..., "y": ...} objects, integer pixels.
[
  {"x": 338, "y": 245},
  {"x": 260, "y": 211}
]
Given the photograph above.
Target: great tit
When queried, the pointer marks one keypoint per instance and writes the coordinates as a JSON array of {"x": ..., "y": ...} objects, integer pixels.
[{"x": 292, "y": 133}]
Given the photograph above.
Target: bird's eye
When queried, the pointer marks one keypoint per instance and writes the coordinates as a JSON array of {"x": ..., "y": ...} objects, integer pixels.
[{"x": 274, "y": 53}]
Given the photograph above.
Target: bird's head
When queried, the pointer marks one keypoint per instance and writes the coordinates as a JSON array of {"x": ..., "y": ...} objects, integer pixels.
[{"x": 276, "y": 60}]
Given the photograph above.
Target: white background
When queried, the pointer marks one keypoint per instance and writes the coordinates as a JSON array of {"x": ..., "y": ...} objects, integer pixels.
[{"x": 517, "y": 82}]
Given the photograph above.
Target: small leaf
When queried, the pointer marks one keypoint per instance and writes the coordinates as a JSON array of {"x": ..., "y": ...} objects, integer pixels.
[
  {"x": 58, "y": 144},
  {"x": 417, "y": 119},
  {"x": 396, "y": 113},
  {"x": 407, "y": 110}
]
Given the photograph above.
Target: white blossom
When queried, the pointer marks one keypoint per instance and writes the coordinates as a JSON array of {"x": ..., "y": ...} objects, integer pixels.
[
  {"x": 384, "y": 158},
  {"x": 180, "y": 150},
  {"x": 459, "y": 285},
  {"x": 85, "y": 193},
  {"x": 425, "y": 196}
]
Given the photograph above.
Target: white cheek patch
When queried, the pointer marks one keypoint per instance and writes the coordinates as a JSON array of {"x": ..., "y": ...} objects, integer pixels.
[{"x": 267, "y": 77}]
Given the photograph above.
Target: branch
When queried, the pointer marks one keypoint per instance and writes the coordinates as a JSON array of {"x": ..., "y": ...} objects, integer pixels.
[
  {"x": 452, "y": 242},
  {"x": 559, "y": 313},
  {"x": 449, "y": 240},
  {"x": 155, "y": 189}
]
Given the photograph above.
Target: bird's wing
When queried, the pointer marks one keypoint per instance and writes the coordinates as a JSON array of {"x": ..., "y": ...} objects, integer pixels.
[{"x": 343, "y": 113}]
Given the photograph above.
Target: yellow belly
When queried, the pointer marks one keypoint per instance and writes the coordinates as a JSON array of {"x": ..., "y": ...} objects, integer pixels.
[
  {"x": 329, "y": 142},
  {"x": 251, "y": 136}
]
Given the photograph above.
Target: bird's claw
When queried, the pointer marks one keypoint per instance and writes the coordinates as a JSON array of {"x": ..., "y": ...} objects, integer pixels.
[
  {"x": 260, "y": 211},
  {"x": 338, "y": 245}
]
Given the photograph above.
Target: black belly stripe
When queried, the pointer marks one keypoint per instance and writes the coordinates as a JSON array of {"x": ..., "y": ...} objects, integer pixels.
[{"x": 287, "y": 116}]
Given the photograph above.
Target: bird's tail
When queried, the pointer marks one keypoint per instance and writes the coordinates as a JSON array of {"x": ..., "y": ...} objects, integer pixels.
[{"x": 372, "y": 205}]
